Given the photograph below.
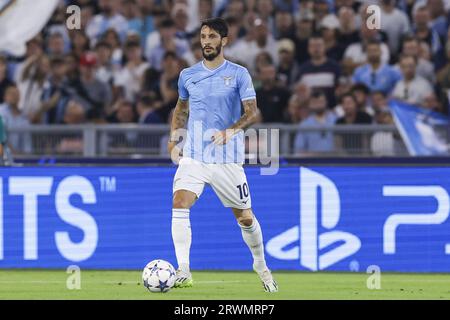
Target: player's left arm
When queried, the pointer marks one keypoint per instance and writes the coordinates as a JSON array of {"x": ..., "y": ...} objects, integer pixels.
[{"x": 247, "y": 119}]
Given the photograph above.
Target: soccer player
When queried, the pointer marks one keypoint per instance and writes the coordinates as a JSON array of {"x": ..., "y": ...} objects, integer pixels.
[{"x": 210, "y": 96}]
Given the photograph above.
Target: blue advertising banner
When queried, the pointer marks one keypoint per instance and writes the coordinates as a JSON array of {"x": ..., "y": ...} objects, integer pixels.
[
  {"x": 315, "y": 218},
  {"x": 421, "y": 129}
]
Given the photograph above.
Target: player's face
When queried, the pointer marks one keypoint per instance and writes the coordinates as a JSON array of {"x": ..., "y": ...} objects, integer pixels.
[{"x": 211, "y": 43}]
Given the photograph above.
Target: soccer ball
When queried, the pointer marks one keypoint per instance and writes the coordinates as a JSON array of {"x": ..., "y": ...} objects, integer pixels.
[{"x": 158, "y": 276}]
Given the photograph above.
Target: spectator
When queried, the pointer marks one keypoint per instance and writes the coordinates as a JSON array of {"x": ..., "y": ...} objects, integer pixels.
[
  {"x": 124, "y": 112},
  {"x": 320, "y": 72},
  {"x": 288, "y": 69},
  {"x": 5, "y": 82},
  {"x": 147, "y": 110},
  {"x": 109, "y": 18},
  {"x": 272, "y": 99},
  {"x": 352, "y": 142},
  {"x": 385, "y": 143},
  {"x": 375, "y": 74},
  {"x": 55, "y": 96},
  {"x": 303, "y": 32},
  {"x": 195, "y": 54},
  {"x": 329, "y": 31},
  {"x": 168, "y": 84},
  {"x": 351, "y": 113},
  {"x": 105, "y": 69},
  {"x": 284, "y": 25},
  {"x": 379, "y": 103},
  {"x": 362, "y": 94},
  {"x": 425, "y": 69},
  {"x": 422, "y": 30},
  {"x": 179, "y": 14},
  {"x": 234, "y": 44},
  {"x": 357, "y": 53},
  {"x": 31, "y": 81},
  {"x": 265, "y": 11},
  {"x": 438, "y": 19},
  {"x": 139, "y": 18},
  {"x": 395, "y": 23},
  {"x": 262, "y": 41},
  {"x": 94, "y": 95},
  {"x": 412, "y": 88},
  {"x": 166, "y": 42},
  {"x": 347, "y": 27},
  {"x": 297, "y": 109},
  {"x": 127, "y": 81},
  {"x": 55, "y": 44},
  {"x": 320, "y": 9},
  {"x": 80, "y": 43},
  {"x": 311, "y": 142},
  {"x": 13, "y": 118},
  {"x": 111, "y": 37}
]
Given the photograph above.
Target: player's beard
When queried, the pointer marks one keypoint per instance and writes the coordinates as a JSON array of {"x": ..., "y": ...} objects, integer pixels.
[{"x": 211, "y": 56}]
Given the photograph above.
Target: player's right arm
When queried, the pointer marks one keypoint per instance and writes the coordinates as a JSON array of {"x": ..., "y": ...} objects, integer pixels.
[{"x": 179, "y": 119}]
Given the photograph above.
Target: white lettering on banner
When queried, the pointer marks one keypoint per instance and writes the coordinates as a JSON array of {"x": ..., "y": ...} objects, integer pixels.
[
  {"x": 30, "y": 188},
  {"x": 310, "y": 241},
  {"x": 76, "y": 217},
  {"x": 307, "y": 234},
  {"x": 395, "y": 220},
  {"x": 275, "y": 245}
]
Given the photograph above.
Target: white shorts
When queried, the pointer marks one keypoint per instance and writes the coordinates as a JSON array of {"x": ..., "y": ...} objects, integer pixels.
[{"x": 228, "y": 181}]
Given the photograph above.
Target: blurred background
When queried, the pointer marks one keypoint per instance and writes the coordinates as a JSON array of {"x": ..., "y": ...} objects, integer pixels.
[{"x": 322, "y": 75}]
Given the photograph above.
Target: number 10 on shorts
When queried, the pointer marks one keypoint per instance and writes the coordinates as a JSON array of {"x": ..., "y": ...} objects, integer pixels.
[{"x": 243, "y": 190}]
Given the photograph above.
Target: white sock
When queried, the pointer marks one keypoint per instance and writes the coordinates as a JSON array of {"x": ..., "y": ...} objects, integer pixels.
[
  {"x": 253, "y": 238},
  {"x": 182, "y": 237}
]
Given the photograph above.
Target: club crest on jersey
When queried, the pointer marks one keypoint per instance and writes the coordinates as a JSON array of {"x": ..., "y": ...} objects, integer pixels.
[{"x": 227, "y": 81}]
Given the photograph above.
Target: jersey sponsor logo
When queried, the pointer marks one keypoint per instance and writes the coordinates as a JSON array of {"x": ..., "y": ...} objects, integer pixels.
[{"x": 311, "y": 244}]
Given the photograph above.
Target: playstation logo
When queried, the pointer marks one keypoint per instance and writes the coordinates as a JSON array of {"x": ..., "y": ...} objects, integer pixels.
[{"x": 309, "y": 242}]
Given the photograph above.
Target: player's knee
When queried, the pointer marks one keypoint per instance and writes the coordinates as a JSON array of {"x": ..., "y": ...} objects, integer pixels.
[
  {"x": 246, "y": 219},
  {"x": 246, "y": 222},
  {"x": 179, "y": 203}
]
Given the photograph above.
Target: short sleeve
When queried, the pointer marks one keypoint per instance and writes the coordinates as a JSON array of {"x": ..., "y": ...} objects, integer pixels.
[
  {"x": 182, "y": 91},
  {"x": 245, "y": 85}
]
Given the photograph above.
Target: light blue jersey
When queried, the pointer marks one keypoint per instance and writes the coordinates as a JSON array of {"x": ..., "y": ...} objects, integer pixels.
[{"x": 214, "y": 105}]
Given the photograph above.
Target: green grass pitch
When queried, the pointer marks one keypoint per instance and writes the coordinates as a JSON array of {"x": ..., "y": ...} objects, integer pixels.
[{"x": 51, "y": 284}]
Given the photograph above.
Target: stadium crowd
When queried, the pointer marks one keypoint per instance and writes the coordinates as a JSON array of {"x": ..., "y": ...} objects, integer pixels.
[{"x": 313, "y": 63}]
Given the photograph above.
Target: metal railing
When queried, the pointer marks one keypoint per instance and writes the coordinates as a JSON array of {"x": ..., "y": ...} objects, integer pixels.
[{"x": 131, "y": 140}]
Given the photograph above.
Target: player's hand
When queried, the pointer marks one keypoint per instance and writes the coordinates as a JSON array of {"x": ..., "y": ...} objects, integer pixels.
[
  {"x": 174, "y": 151},
  {"x": 222, "y": 137}
]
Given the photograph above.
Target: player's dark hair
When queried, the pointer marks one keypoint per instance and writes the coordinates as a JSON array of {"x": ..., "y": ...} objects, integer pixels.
[{"x": 217, "y": 24}]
